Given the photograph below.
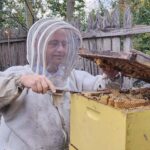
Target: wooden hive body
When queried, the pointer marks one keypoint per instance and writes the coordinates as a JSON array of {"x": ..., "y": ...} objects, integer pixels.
[{"x": 95, "y": 126}]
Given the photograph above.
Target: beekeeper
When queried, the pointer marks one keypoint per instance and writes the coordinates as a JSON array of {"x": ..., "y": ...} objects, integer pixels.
[{"x": 34, "y": 117}]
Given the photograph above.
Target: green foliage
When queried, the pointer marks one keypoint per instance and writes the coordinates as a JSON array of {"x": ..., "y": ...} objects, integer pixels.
[
  {"x": 79, "y": 9},
  {"x": 1, "y": 14},
  {"x": 59, "y": 8},
  {"x": 101, "y": 8},
  {"x": 142, "y": 42},
  {"x": 12, "y": 13},
  {"x": 142, "y": 16}
]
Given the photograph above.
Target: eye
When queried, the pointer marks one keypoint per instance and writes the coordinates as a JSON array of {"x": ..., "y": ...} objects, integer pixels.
[
  {"x": 53, "y": 43},
  {"x": 64, "y": 43}
]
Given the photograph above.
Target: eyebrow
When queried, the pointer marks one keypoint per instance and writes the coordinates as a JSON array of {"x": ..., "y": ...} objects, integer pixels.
[{"x": 50, "y": 42}]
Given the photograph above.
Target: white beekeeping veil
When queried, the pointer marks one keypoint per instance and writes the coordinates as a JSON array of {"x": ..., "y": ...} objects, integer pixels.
[{"x": 52, "y": 47}]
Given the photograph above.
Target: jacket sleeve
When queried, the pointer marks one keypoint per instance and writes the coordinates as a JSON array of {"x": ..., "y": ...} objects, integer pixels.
[
  {"x": 10, "y": 87},
  {"x": 84, "y": 81}
]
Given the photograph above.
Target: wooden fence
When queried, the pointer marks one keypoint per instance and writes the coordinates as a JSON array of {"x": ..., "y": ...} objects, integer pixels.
[
  {"x": 12, "y": 47},
  {"x": 103, "y": 33},
  {"x": 108, "y": 33}
]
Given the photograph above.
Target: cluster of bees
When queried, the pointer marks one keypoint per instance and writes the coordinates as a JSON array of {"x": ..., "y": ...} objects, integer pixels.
[
  {"x": 131, "y": 99},
  {"x": 125, "y": 67},
  {"x": 124, "y": 100}
]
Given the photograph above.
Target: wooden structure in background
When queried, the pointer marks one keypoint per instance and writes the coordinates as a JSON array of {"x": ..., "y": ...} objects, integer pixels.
[
  {"x": 106, "y": 32},
  {"x": 12, "y": 48},
  {"x": 133, "y": 64}
]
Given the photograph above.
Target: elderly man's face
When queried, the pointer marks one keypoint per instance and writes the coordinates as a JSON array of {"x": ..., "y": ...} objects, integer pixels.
[{"x": 57, "y": 48}]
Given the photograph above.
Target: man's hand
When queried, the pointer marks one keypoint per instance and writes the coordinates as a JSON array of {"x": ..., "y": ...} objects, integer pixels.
[
  {"x": 38, "y": 83},
  {"x": 111, "y": 73}
]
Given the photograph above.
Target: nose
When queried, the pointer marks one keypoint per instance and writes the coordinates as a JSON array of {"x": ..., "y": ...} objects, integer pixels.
[{"x": 60, "y": 47}]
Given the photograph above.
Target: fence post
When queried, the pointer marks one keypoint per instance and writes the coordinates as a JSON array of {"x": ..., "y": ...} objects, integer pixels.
[
  {"x": 116, "y": 43},
  {"x": 127, "y": 46},
  {"x": 99, "y": 26},
  {"x": 106, "y": 26},
  {"x": 127, "y": 24}
]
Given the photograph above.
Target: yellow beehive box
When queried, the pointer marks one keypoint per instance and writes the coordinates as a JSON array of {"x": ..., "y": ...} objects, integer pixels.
[{"x": 95, "y": 126}]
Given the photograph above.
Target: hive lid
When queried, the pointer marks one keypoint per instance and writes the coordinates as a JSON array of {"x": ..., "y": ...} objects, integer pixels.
[{"x": 133, "y": 64}]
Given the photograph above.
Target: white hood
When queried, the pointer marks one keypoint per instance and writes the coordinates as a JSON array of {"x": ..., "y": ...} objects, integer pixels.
[{"x": 52, "y": 47}]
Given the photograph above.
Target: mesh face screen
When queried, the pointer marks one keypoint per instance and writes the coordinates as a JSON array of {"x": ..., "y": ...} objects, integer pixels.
[{"x": 52, "y": 47}]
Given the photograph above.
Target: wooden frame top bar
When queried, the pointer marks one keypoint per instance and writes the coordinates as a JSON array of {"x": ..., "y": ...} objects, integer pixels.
[{"x": 133, "y": 64}]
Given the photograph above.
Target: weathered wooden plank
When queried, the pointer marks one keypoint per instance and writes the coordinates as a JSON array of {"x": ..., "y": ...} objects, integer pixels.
[
  {"x": 127, "y": 43},
  {"x": 115, "y": 18},
  {"x": 86, "y": 61},
  {"x": 116, "y": 43},
  {"x": 92, "y": 47},
  {"x": 90, "y": 22},
  {"x": 12, "y": 53},
  {"x": 127, "y": 18},
  {"x": 1, "y": 36},
  {"x": 106, "y": 24},
  {"x": 5, "y": 55},
  {"x": 79, "y": 63},
  {"x": 99, "y": 43},
  {"x": 12, "y": 33},
  {"x": 142, "y": 58},
  {"x": 129, "y": 64},
  {"x": 117, "y": 32},
  {"x": 13, "y": 40},
  {"x": 107, "y": 44},
  {"x": 85, "y": 44},
  {"x": 106, "y": 20},
  {"x": 98, "y": 21}
]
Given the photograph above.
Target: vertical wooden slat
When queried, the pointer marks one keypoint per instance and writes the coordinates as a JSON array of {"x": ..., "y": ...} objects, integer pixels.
[
  {"x": 12, "y": 52},
  {"x": 127, "y": 23},
  {"x": 99, "y": 41},
  {"x": 116, "y": 24},
  {"x": 91, "y": 43},
  {"x": 92, "y": 47},
  {"x": 80, "y": 61},
  {"x": 24, "y": 53},
  {"x": 86, "y": 61},
  {"x": 99, "y": 26},
  {"x": 90, "y": 22},
  {"x": 98, "y": 22},
  {"x": 1, "y": 35},
  {"x": 107, "y": 44},
  {"x": 106, "y": 26},
  {"x": 9, "y": 53}
]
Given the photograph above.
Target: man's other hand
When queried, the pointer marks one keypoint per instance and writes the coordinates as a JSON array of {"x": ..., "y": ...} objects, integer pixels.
[{"x": 111, "y": 73}]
